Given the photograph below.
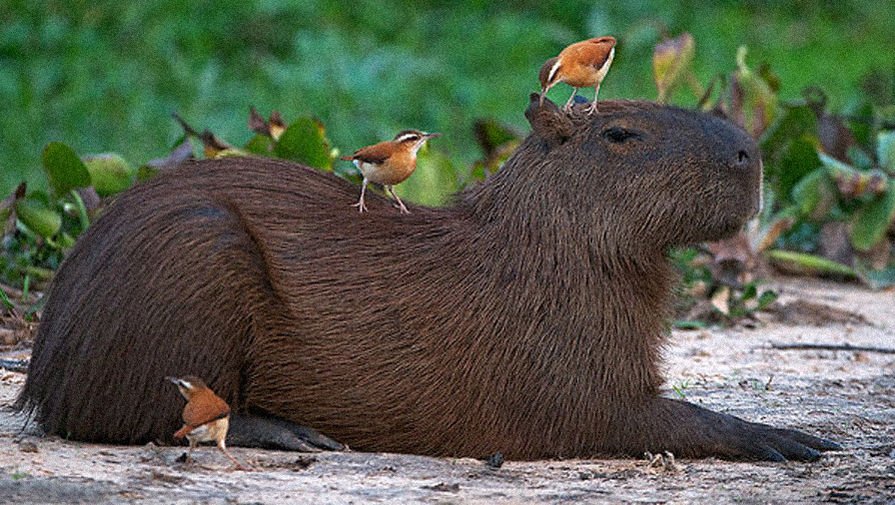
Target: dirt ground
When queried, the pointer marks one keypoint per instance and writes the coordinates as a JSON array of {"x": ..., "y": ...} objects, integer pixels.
[{"x": 847, "y": 396}]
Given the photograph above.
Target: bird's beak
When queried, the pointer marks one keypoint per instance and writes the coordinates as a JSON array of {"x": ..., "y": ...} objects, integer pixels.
[
  {"x": 178, "y": 382},
  {"x": 432, "y": 135}
]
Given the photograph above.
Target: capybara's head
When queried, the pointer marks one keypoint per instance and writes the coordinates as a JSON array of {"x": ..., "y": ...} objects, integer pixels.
[{"x": 642, "y": 174}]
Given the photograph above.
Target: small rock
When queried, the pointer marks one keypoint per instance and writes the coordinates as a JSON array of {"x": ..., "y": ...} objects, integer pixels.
[
  {"x": 27, "y": 446},
  {"x": 495, "y": 461},
  {"x": 445, "y": 488},
  {"x": 303, "y": 462},
  {"x": 662, "y": 462}
]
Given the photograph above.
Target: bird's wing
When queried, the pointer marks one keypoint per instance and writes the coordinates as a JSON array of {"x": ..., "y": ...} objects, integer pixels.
[
  {"x": 183, "y": 431},
  {"x": 595, "y": 54},
  {"x": 204, "y": 410},
  {"x": 376, "y": 153}
]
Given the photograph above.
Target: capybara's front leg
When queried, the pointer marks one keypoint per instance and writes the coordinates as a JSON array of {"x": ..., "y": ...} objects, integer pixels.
[
  {"x": 690, "y": 431},
  {"x": 268, "y": 432}
]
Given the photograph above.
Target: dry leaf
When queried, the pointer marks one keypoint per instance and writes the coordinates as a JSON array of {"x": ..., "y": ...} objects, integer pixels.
[{"x": 721, "y": 300}]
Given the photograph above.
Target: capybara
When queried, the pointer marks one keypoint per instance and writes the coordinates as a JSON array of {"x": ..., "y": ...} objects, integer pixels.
[{"x": 527, "y": 317}]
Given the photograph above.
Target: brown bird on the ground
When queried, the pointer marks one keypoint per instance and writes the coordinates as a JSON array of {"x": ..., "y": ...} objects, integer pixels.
[
  {"x": 579, "y": 65},
  {"x": 206, "y": 416},
  {"x": 389, "y": 163}
]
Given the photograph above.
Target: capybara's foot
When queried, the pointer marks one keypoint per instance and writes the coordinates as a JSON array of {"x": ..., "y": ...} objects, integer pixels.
[
  {"x": 268, "y": 432},
  {"x": 687, "y": 430}
]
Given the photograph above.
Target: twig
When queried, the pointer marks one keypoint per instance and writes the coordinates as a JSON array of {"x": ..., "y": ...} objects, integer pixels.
[
  {"x": 15, "y": 365},
  {"x": 831, "y": 347}
]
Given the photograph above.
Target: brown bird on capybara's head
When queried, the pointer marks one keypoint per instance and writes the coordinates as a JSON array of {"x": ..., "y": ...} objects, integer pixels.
[{"x": 527, "y": 317}]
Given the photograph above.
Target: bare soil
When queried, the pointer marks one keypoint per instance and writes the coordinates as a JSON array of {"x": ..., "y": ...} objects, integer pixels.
[{"x": 847, "y": 396}]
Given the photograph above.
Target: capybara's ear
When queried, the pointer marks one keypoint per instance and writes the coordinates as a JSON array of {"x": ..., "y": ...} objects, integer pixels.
[{"x": 548, "y": 121}]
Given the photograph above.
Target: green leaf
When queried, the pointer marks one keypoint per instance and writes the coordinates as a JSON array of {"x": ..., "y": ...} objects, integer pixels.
[
  {"x": 749, "y": 291},
  {"x": 672, "y": 60},
  {"x": 798, "y": 160},
  {"x": 64, "y": 169},
  {"x": 885, "y": 150},
  {"x": 838, "y": 170},
  {"x": 796, "y": 121},
  {"x": 261, "y": 145},
  {"x": 870, "y": 223},
  {"x": 859, "y": 158},
  {"x": 83, "y": 216},
  {"x": 814, "y": 195},
  {"x": 145, "y": 173},
  {"x": 37, "y": 217},
  {"x": 305, "y": 142},
  {"x": 109, "y": 173},
  {"x": 835, "y": 165},
  {"x": 433, "y": 181},
  {"x": 854, "y": 183},
  {"x": 66, "y": 241},
  {"x": 766, "y": 298},
  {"x": 687, "y": 324},
  {"x": 861, "y": 117},
  {"x": 809, "y": 263},
  {"x": 4, "y": 299}
]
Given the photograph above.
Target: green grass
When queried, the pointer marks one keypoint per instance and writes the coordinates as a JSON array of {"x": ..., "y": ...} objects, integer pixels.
[{"x": 105, "y": 75}]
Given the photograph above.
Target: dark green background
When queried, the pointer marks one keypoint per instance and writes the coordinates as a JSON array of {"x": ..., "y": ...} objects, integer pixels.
[{"x": 105, "y": 75}]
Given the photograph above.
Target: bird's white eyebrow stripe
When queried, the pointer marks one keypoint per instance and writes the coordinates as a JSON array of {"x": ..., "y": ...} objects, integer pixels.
[
  {"x": 408, "y": 136},
  {"x": 553, "y": 71}
]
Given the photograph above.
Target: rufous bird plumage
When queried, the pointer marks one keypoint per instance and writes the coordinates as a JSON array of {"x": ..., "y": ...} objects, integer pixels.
[
  {"x": 579, "y": 65},
  {"x": 389, "y": 163},
  {"x": 206, "y": 416}
]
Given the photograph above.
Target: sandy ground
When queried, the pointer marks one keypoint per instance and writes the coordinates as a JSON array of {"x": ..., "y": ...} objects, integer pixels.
[{"x": 847, "y": 396}]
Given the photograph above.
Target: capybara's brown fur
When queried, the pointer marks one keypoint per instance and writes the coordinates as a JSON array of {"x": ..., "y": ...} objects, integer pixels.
[{"x": 526, "y": 318}]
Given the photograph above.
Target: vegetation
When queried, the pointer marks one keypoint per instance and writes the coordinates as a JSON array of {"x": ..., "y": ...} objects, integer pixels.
[{"x": 107, "y": 76}]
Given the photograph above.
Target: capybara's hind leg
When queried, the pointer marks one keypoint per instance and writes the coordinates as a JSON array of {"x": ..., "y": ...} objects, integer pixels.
[{"x": 268, "y": 432}]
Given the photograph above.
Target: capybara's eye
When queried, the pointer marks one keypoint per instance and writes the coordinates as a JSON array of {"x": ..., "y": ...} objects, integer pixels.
[{"x": 618, "y": 135}]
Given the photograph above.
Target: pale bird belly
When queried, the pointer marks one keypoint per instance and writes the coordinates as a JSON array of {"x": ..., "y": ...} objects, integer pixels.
[
  {"x": 383, "y": 173},
  {"x": 210, "y": 432},
  {"x": 582, "y": 76}
]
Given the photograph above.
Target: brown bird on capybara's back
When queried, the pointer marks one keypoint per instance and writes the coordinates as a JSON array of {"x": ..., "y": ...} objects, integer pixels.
[{"x": 525, "y": 318}]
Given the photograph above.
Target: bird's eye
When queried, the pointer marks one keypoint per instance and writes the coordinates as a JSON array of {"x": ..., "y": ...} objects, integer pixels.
[{"x": 618, "y": 135}]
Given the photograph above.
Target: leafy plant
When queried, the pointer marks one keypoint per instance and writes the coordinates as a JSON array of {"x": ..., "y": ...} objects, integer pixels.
[
  {"x": 839, "y": 190},
  {"x": 830, "y": 197}
]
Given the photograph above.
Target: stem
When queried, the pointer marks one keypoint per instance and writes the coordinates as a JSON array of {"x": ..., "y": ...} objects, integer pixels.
[
  {"x": 831, "y": 347},
  {"x": 82, "y": 210}
]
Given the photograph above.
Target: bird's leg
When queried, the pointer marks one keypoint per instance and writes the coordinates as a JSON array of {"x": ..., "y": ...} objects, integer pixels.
[
  {"x": 593, "y": 105},
  {"x": 400, "y": 204},
  {"x": 223, "y": 447},
  {"x": 568, "y": 106},
  {"x": 189, "y": 452},
  {"x": 361, "y": 207}
]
